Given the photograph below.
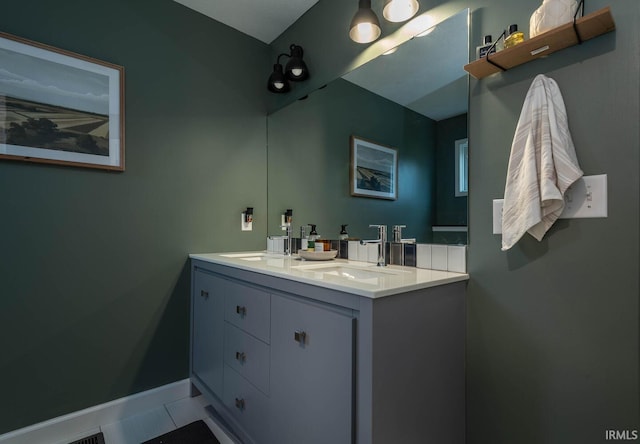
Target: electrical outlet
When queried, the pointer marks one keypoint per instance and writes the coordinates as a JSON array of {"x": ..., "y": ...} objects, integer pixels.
[
  {"x": 497, "y": 215},
  {"x": 587, "y": 197}
]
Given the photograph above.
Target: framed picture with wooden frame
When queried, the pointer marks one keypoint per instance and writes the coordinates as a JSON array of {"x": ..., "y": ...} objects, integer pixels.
[
  {"x": 373, "y": 170},
  {"x": 59, "y": 107}
]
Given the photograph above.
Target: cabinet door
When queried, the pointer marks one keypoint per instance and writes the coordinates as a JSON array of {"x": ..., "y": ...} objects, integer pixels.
[
  {"x": 207, "y": 323},
  {"x": 312, "y": 357}
]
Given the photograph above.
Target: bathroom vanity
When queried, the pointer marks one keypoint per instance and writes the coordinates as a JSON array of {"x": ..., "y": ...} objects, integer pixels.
[{"x": 290, "y": 351}]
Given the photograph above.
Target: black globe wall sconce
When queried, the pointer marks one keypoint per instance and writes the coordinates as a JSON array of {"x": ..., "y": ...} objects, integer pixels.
[{"x": 295, "y": 70}]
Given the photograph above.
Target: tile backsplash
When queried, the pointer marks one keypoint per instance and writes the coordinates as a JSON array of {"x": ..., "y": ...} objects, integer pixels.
[{"x": 429, "y": 256}]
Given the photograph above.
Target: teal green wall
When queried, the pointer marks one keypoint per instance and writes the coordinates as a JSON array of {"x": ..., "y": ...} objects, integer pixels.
[
  {"x": 552, "y": 327},
  {"x": 553, "y": 345},
  {"x": 450, "y": 209},
  {"x": 309, "y": 157},
  {"x": 93, "y": 289},
  {"x": 93, "y": 278}
]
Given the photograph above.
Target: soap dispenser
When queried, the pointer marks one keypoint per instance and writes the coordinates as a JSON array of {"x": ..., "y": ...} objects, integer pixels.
[
  {"x": 313, "y": 235},
  {"x": 343, "y": 232},
  {"x": 343, "y": 243},
  {"x": 321, "y": 244}
]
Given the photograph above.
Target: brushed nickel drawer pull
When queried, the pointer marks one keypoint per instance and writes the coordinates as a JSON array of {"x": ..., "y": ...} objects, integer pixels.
[
  {"x": 204, "y": 294},
  {"x": 300, "y": 336},
  {"x": 240, "y": 403},
  {"x": 242, "y": 311},
  {"x": 241, "y": 356}
]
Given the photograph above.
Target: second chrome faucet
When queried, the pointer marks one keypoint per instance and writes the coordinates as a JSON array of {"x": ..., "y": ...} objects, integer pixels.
[{"x": 381, "y": 241}]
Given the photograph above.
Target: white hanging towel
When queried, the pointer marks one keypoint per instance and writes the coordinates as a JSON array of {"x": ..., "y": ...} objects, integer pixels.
[{"x": 542, "y": 165}]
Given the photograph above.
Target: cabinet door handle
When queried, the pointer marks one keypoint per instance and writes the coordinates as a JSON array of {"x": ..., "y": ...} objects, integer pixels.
[
  {"x": 240, "y": 403},
  {"x": 240, "y": 356},
  {"x": 204, "y": 294},
  {"x": 242, "y": 311},
  {"x": 300, "y": 337}
]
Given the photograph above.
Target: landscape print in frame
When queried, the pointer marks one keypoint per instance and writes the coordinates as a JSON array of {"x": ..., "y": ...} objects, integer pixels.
[
  {"x": 59, "y": 107},
  {"x": 374, "y": 169}
]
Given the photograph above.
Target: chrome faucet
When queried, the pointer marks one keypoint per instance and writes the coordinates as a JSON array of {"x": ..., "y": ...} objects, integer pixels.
[
  {"x": 288, "y": 225},
  {"x": 397, "y": 235},
  {"x": 287, "y": 247},
  {"x": 397, "y": 232},
  {"x": 381, "y": 241}
]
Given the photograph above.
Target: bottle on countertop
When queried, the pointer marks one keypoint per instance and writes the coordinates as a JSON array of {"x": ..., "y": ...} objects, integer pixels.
[
  {"x": 322, "y": 244},
  {"x": 304, "y": 240},
  {"x": 514, "y": 37},
  {"x": 313, "y": 235},
  {"x": 343, "y": 232}
]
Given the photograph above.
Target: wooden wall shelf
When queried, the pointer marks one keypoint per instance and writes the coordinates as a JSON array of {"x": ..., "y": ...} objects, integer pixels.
[{"x": 587, "y": 27}]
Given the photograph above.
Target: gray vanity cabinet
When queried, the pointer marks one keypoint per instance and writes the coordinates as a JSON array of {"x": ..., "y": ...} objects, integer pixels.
[
  {"x": 312, "y": 358},
  {"x": 288, "y": 362},
  {"x": 207, "y": 346}
]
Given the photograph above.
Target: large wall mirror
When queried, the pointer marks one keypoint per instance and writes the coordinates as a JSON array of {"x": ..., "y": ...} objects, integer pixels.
[{"x": 415, "y": 101}]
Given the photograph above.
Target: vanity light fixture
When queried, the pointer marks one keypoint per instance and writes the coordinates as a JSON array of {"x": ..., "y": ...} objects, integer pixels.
[
  {"x": 295, "y": 70},
  {"x": 278, "y": 83},
  {"x": 400, "y": 10},
  {"x": 365, "y": 27},
  {"x": 248, "y": 215}
]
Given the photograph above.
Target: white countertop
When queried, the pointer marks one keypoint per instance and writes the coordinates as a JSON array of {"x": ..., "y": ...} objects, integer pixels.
[{"x": 360, "y": 278}]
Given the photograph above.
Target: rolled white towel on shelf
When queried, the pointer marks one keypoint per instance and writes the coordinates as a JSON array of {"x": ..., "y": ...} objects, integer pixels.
[{"x": 551, "y": 14}]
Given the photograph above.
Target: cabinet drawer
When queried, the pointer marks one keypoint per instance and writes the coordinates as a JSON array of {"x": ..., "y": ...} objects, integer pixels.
[
  {"x": 249, "y": 309},
  {"x": 248, "y": 356},
  {"x": 247, "y": 405}
]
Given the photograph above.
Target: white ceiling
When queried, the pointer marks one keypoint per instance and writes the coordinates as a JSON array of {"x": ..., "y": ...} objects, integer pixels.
[
  {"x": 425, "y": 74},
  {"x": 262, "y": 19}
]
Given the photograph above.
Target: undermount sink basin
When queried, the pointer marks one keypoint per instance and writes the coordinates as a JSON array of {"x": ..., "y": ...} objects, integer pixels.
[
  {"x": 351, "y": 272},
  {"x": 256, "y": 256},
  {"x": 243, "y": 255}
]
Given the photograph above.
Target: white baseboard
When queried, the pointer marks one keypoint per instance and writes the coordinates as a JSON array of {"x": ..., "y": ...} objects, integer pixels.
[{"x": 88, "y": 420}]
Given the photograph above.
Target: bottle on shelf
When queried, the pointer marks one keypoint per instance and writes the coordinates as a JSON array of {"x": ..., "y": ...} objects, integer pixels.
[
  {"x": 483, "y": 50},
  {"x": 514, "y": 37}
]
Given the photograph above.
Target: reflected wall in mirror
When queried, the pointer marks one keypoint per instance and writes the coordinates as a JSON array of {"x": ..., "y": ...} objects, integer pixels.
[{"x": 414, "y": 100}]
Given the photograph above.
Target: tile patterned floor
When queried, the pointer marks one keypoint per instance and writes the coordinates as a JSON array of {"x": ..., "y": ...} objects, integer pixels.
[{"x": 155, "y": 422}]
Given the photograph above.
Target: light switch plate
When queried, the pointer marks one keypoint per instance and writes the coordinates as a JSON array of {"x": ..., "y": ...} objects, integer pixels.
[
  {"x": 587, "y": 197},
  {"x": 497, "y": 215}
]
